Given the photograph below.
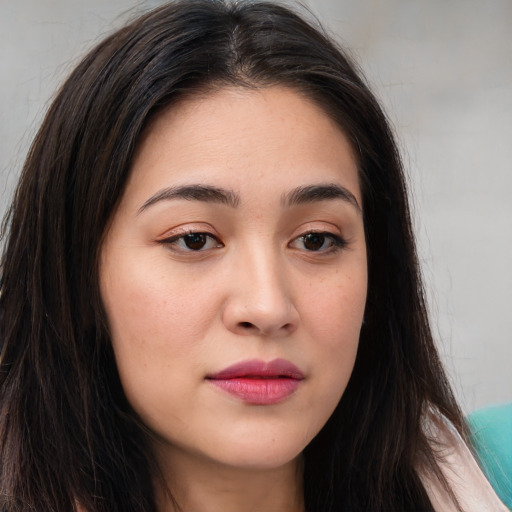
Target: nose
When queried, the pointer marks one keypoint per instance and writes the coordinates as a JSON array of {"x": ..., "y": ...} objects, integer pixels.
[{"x": 260, "y": 300}]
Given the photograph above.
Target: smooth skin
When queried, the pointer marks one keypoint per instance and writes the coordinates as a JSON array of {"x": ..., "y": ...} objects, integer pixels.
[{"x": 239, "y": 236}]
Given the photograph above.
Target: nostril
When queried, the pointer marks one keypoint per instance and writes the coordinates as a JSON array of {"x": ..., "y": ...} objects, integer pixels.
[{"x": 246, "y": 325}]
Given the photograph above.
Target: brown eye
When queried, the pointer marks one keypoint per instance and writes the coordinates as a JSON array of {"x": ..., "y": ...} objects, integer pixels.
[
  {"x": 192, "y": 242},
  {"x": 323, "y": 243},
  {"x": 195, "y": 241},
  {"x": 314, "y": 241}
]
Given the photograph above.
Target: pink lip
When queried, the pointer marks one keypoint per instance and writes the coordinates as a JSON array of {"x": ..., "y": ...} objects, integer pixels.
[{"x": 258, "y": 382}]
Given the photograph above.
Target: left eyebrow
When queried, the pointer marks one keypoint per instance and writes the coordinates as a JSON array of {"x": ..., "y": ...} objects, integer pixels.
[{"x": 320, "y": 192}]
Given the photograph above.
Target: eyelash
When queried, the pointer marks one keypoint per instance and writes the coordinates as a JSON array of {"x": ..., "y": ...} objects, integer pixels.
[
  {"x": 337, "y": 243},
  {"x": 174, "y": 240}
]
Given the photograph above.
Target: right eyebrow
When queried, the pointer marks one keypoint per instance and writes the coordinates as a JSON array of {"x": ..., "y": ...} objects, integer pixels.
[{"x": 206, "y": 193}]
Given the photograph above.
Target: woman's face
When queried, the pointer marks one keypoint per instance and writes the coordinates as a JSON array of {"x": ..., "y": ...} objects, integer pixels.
[{"x": 234, "y": 276}]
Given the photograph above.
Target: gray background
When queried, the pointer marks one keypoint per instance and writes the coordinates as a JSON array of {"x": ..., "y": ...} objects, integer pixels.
[{"x": 442, "y": 68}]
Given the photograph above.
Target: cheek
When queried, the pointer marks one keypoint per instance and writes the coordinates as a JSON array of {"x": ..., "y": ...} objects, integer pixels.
[
  {"x": 334, "y": 319},
  {"x": 146, "y": 300},
  {"x": 158, "y": 321},
  {"x": 157, "y": 318},
  {"x": 335, "y": 308}
]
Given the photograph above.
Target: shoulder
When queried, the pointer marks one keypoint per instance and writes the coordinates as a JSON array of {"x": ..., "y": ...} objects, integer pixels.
[
  {"x": 472, "y": 490},
  {"x": 491, "y": 436}
]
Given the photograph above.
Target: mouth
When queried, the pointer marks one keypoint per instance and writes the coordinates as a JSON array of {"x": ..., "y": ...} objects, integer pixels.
[{"x": 258, "y": 382}]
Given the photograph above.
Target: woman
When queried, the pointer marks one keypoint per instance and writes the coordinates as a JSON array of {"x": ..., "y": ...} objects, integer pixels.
[{"x": 210, "y": 294}]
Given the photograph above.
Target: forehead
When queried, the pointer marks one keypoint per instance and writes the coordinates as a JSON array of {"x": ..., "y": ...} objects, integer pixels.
[{"x": 239, "y": 137}]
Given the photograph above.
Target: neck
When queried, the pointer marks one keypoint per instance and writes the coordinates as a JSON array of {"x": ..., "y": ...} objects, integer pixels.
[{"x": 190, "y": 484}]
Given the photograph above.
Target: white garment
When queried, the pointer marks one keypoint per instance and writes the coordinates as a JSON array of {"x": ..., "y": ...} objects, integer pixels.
[{"x": 471, "y": 488}]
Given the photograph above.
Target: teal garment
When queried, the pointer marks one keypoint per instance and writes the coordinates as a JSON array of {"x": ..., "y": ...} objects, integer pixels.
[{"x": 491, "y": 435}]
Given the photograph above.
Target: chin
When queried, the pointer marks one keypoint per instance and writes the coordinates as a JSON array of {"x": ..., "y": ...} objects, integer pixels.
[
  {"x": 262, "y": 459},
  {"x": 260, "y": 452}
]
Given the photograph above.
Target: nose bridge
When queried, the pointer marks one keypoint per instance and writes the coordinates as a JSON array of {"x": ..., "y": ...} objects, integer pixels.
[
  {"x": 261, "y": 299},
  {"x": 266, "y": 278}
]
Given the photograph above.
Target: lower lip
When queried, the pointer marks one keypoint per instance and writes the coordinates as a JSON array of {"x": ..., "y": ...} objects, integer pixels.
[{"x": 265, "y": 391}]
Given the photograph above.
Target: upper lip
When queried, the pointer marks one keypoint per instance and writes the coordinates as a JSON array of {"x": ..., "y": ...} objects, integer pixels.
[{"x": 257, "y": 368}]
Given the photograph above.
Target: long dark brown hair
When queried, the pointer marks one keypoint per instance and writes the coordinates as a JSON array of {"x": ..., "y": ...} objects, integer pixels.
[{"x": 67, "y": 433}]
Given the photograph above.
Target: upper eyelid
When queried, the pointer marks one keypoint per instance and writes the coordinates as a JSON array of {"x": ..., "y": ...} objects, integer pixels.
[
  {"x": 190, "y": 232},
  {"x": 187, "y": 229},
  {"x": 313, "y": 226},
  {"x": 327, "y": 234},
  {"x": 332, "y": 231},
  {"x": 177, "y": 236},
  {"x": 172, "y": 242}
]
